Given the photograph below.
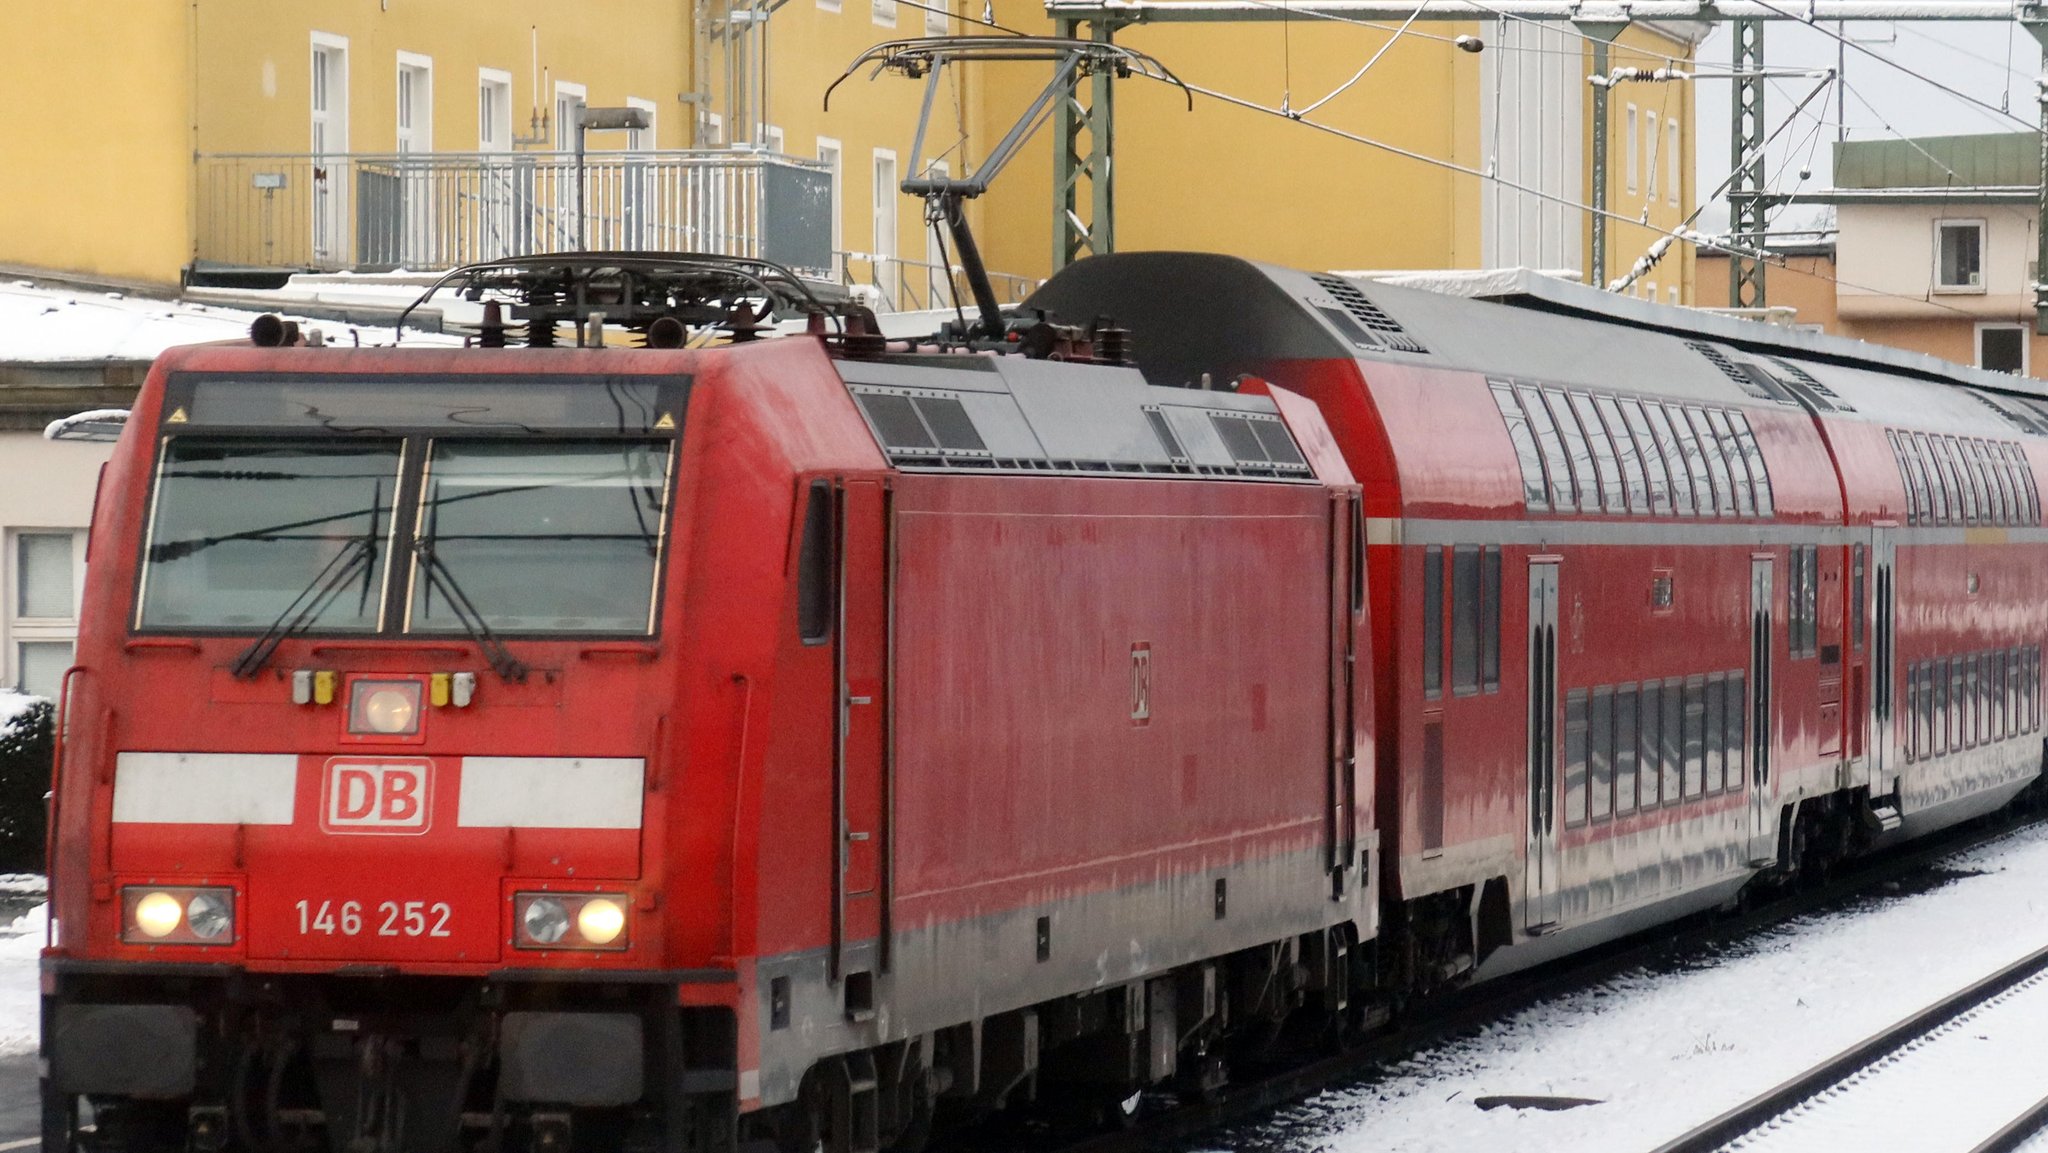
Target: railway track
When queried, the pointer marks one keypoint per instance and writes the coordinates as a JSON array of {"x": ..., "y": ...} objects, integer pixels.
[
  {"x": 1469, "y": 1010},
  {"x": 1922, "y": 1082}
]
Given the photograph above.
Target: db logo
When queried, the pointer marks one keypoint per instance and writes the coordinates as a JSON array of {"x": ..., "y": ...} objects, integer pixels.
[{"x": 366, "y": 796}]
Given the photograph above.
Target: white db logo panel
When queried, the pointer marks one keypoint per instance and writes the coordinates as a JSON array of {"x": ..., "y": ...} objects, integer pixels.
[{"x": 365, "y": 795}]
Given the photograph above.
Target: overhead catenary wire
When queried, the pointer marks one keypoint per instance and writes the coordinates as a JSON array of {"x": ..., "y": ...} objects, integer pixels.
[{"x": 1882, "y": 58}]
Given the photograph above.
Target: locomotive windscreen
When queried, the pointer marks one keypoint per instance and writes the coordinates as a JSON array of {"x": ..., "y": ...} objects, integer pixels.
[{"x": 526, "y": 507}]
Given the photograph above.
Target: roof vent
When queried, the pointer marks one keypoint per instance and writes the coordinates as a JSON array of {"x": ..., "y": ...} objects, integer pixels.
[
  {"x": 1378, "y": 325},
  {"x": 1819, "y": 395},
  {"x": 1749, "y": 377}
]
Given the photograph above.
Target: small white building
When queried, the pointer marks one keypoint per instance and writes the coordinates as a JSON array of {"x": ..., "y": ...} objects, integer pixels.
[{"x": 1936, "y": 245}]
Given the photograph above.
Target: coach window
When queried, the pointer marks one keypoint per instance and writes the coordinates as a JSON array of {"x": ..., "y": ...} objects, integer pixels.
[
  {"x": 1535, "y": 491},
  {"x": 1856, "y": 610},
  {"x": 1465, "y": 620},
  {"x": 1604, "y": 462},
  {"x": 1432, "y": 622},
  {"x": 1976, "y": 501},
  {"x": 1695, "y": 735},
  {"x": 2025, "y": 472},
  {"x": 1648, "y": 717},
  {"x": 1995, "y": 668},
  {"x": 1959, "y": 504},
  {"x": 1696, "y": 463},
  {"x": 1717, "y": 465},
  {"x": 1731, "y": 735},
  {"x": 1957, "y": 705},
  {"x": 1915, "y": 497},
  {"x": 1563, "y": 497},
  {"x": 814, "y": 567},
  {"x": 1575, "y": 757},
  {"x": 1795, "y": 601},
  {"x": 1674, "y": 459},
  {"x": 1752, "y": 455},
  {"x": 1937, "y": 483},
  {"x": 1738, "y": 467},
  {"x": 1653, "y": 459},
  {"x": 1624, "y": 750},
  {"x": 1918, "y": 479},
  {"x": 1999, "y": 478},
  {"x": 1625, "y": 449},
  {"x": 1912, "y": 741},
  {"x": 1673, "y": 737},
  {"x": 1489, "y": 619},
  {"x": 1576, "y": 444},
  {"x": 1809, "y": 595},
  {"x": 1600, "y": 764},
  {"x": 1716, "y": 720},
  {"x": 1937, "y": 705}
]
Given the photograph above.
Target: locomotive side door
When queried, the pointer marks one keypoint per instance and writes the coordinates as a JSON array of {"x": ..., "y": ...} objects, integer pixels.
[
  {"x": 1541, "y": 902},
  {"x": 1883, "y": 624},
  {"x": 860, "y": 770},
  {"x": 1763, "y": 832}
]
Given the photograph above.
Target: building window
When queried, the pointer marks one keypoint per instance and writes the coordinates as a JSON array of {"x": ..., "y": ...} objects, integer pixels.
[
  {"x": 828, "y": 155},
  {"x": 886, "y": 195},
  {"x": 938, "y": 17},
  {"x": 1671, "y": 168},
  {"x": 1650, "y": 171},
  {"x": 44, "y": 617},
  {"x": 493, "y": 110},
  {"x": 415, "y": 103},
  {"x": 1633, "y": 147},
  {"x": 2002, "y": 348},
  {"x": 1959, "y": 255},
  {"x": 885, "y": 13}
]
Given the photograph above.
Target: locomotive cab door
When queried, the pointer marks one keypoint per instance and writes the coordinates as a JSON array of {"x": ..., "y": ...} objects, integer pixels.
[
  {"x": 1763, "y": 832},
  {"x": 861, "y": 769},
  {"x": 1542, "y": 902}
]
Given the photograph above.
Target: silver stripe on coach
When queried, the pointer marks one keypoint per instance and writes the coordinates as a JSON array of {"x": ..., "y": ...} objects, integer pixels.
[
  {"x": 551, "y": 792},
  {"x": 205, "y": 788}
]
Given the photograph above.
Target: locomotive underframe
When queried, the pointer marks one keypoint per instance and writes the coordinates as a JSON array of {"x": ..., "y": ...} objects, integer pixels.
[{"x": 212, "y": 1056}]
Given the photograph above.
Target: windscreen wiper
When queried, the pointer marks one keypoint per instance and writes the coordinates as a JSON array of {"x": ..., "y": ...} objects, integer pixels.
[
  {"x": 309, "y": 604},
  {"x": 501, "y": 660}
]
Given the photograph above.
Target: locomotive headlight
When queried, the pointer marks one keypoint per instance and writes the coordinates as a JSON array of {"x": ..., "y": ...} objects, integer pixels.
[
  {"x": 570, "y": 921},
  {"x": 158, "y": 914},
  {"x": 601, "y": 920},
  {"x": 207, "y": 915},
  {"x": 177, "y": 915},
  {"x": 545, "y": 920},
  {"x": 384, "y": 708}
]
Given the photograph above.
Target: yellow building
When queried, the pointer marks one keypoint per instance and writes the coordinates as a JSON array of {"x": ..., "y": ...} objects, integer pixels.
[{"x": 212, "y": 136}]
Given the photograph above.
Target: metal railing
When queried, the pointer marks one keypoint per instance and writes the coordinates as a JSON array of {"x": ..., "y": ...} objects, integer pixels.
[{"x": 437, "y": 210}]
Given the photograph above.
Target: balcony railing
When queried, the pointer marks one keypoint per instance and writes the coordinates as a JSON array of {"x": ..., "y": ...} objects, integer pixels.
[{"x": 426, "y": 211}]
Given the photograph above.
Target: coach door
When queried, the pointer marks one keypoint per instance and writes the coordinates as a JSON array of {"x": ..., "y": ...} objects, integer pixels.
[
  {"x": 860, "y": 778},
  {"x": 1763, "y": 834},
  {"x": 1540, "y": 896},
  {"x": 1883, "y": 623}
]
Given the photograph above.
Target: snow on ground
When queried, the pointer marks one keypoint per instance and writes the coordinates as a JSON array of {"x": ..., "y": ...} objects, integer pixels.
[
  {"x": 40, "y": 323},
  {"x": 1664, "y": 1051},
  {"x": 21, "y": 944}
]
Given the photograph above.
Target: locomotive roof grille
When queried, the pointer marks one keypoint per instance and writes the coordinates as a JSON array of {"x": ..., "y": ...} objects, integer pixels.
[
  {"x": 1813, "y": 391},
  {"x": 1383, "y": 330}
]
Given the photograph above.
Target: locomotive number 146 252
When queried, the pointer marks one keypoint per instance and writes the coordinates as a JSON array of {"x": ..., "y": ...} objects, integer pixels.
[{"x": 387, "y": 919}]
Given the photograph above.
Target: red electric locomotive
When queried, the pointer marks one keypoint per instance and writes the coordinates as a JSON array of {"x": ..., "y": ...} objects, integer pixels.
[{"x": 677, "y": 748}]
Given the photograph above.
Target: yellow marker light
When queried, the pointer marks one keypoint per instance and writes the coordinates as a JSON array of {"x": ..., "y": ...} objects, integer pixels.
[
  {"x": 384, "y": 708},
  {"x": 601, "y": 920},
  {"x": 323, "y": 687},
  {"x": 437, "y": 690},
  {"x": 158, "y": 914}
]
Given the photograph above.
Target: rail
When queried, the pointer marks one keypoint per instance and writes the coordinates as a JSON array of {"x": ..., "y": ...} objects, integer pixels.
[{"x": 1782, "y": 1098}]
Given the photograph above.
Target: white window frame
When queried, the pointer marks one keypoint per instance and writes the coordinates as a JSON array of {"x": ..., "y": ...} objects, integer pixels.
[
  {"x": 2026, "y": 343},
  {"x": 643, "y": 139},
  {"x": 21, "y": 630},
  {"x": 1632, "y": 147},
  {"x": 1651, "y": 294},
  {"x": 1650, "y": 154},
  {"x": 832, "y": 154},
  {"x": 418, "y": 136},
  {"x": 327, "y": 135},
  {"x": 774, "y": 140},
  {"x": 885, "y": 200},
  {"x": 883, "y": 13},
  {"x": 489, "y": 82},
  {"x": 940, "y": 22},
  {"x": 1983, "y": 250},
  {"x": 565, "y": 133},
  {"x": 1675, "y": 302},
  {"x": 1673, "y": 171},
  {"x": 828, "y": 5},
  {"x": 710, "y": 130}
]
